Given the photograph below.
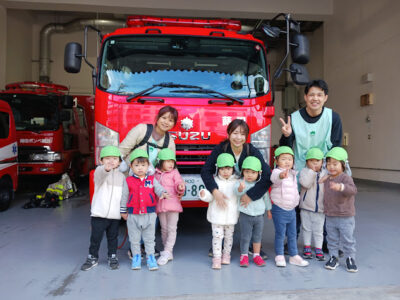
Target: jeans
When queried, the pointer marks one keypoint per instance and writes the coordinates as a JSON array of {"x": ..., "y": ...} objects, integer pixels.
[{"x": 285, "y": 225}]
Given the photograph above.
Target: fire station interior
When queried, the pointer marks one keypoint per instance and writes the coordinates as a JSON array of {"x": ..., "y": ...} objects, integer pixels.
[{"x": 354, "y": 47}]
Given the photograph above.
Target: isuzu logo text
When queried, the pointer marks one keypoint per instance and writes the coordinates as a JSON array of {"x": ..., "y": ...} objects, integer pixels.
[{"x": 191, "y": 135}]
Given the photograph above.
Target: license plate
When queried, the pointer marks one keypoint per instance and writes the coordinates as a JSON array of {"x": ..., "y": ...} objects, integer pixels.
[{"x": 193, "y": 185}]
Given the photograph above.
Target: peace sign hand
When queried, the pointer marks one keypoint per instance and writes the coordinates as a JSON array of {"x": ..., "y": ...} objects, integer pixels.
[{"x": 286, "y": 127}]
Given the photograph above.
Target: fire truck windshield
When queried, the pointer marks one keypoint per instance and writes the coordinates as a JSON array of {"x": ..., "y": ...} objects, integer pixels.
[
  {"x": 234, "y": 67},
  {"x": 33, "y": 112}
]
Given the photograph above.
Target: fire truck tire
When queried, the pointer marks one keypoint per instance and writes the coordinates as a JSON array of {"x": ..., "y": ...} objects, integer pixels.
[{"x": 6, "y": 194}]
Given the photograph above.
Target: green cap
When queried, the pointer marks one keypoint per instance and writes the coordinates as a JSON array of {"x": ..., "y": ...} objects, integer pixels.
[
  {"x": 314, "y": 153},
  {"x": 110, "y": 151},
  {"x": 338, "y": 153},
  {"x": 225, "y": 160},
  {"x": 252, "y": 163},
  {"x": 166, "y": 154},
  {"x": 138, "y": 153},
  {"x": 283, "y": 150}
]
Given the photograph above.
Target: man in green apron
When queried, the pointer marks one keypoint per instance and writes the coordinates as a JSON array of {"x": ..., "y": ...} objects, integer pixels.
[{"x": 312, "y": 126}]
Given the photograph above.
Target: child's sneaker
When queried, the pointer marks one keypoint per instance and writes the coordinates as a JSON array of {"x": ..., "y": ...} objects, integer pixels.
[
  {"x": 136, "y": 262},
  {"x": 244, "y": 261},
  {"x": 351, "y": 265},
  {"x": 113, "y": 262},
  {"x": 307, "y": 252},
  {"x": 216, "y": 263},
  {"x": 90, "y": 262},
  {"x": 165, "y": 257},
  {"x": 332, "y": 263},
  {"x": 151, "y": 263},
  {"x": 298, "y": 261},
  {"x": 319, "y": 254},
  {"x": 226, "y": 259},
  {"x": 262, "y": 253},
  {"x": 280, "y": 261},
  {"x": 259, "y": 261}
]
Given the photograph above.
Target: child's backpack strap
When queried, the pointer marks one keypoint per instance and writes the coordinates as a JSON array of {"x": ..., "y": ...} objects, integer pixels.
[{"x": 146, "y": 137}]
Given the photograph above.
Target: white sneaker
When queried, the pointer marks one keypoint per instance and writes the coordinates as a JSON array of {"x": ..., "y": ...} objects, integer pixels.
[
  {"x": 298, "y": 261},
  {"x": 280, "y": 261},
  {"x": 165, "y": 256}
]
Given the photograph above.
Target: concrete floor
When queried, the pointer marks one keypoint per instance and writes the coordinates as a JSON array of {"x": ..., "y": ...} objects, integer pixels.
[{"x": 42, "y": 251}]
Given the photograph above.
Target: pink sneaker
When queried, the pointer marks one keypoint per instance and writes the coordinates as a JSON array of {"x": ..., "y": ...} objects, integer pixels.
[
  {"x": 259, "y": 261},
  {"x": 216, "y": 263},
  {"x": 244, "y": 261},
  {"x": 226, "y": 259},
  {"x": 298, "y": 261}
]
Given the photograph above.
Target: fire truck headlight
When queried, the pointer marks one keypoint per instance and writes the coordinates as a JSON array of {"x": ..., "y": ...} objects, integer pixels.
[
  {"x": 49, "y": 156},
  {"x": 262, "y": 141},
  {"x": 104, "y": 137}
]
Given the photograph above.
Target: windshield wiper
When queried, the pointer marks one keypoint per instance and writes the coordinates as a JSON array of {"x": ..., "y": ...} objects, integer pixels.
[
  {"x": 209, "y": 91},
  {"x": 160, "y": 86}
]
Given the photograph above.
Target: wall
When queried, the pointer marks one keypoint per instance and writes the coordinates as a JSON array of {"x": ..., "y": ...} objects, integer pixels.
[{"x": 363, "y": 37}]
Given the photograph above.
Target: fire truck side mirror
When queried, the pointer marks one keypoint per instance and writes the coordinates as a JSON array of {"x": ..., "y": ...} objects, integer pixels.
[
  {"x": 299, "y": 74},
  {"x": 73, "y": 57},
  {"x": 300, "y": 48},
  {"x": 67, "y": 101}
]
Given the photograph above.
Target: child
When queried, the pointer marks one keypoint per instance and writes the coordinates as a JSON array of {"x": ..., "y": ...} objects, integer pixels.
[
  {"x": 339, "y": 192},
  {"x": 222, "y": 215},
  {"x": 140, "y": 210},
  {"x": 311, "y": 203},
  {"x": 168, "y": 209},
  {"x": 108, "y": 186},
  {"x": 285, "y": 197},
  {"x": 251, "y": 216}
]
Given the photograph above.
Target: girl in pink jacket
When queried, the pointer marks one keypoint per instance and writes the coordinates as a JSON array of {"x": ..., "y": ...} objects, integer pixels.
[
  {"x": 168, "y": 209},
  {"x": 285, "y": 197}
]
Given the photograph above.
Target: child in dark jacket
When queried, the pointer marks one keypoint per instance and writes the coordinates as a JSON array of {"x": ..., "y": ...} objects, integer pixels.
[
  {"x": 339, "y": 192},
  {"x": 138, "y": 208}
]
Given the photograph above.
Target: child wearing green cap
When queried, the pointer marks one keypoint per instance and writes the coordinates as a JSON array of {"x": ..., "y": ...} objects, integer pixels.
[
  {"x": 251, "y": 217},
  {"x": 223, "y": 215},
  {"x": 311, "y": 203},
  {"x": 168, "y": 209},
  {"x": 106, "y": 201},
  {"x": 339, "y": 198},
  {"x": 138, "y": 208},
  {"x": 285, "y": 197}
]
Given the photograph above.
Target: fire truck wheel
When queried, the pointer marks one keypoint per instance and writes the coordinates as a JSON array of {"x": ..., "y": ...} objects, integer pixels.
[{"x": 6, "y": 194}]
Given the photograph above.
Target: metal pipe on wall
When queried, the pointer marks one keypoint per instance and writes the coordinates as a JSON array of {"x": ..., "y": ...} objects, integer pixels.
[{"x": 75, "y": 25}]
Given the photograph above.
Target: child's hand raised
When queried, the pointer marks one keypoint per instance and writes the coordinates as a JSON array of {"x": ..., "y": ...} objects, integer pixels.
[
  {"x": 241, "y": 186},
  {"x": 202, "y": 193},
  {"x": 284, "y": 174},
  {"x": 335, "y": 186},
  {"x": 323, "y": 179}
]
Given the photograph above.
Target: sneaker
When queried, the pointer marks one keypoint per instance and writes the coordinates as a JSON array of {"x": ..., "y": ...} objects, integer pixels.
[
  {"x": 332, "y": 263},
  {"x": 136, "y": 262},
  {"x": 297, "y": 260},
  {"x": 216, "y": 263},
  {"x": 259, "y": 261},
  {"x": 351, "y": 265},
  {"x": 210, "y": 252},
  {"x": 319, "y": 254},
  {"x": 165, "y": 257},
  {"x": 280, "y": 261},
  {"x": 307, "y": 252},
  {"x": 113, "y": 262},
  {"x": 244, "y": 261},
  {"x": 262, "y": 253},
  {"x": 340, "y": 252},
  {"x": 90, "y": 262},
  {"x": 226, "y": 259},
  {"x": 151, "y": 263}
]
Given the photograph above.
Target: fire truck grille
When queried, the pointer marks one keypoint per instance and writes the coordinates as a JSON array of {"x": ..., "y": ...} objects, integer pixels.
[
  {"x": 191, "y": 162},
  {"x": 24, "y": 152}
]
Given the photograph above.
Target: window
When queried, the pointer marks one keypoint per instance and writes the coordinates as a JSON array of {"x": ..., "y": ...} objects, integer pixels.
[{"x": 4, "y": 125}]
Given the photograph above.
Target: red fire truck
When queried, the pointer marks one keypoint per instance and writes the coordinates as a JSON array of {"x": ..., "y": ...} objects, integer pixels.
[
  {"x": 53, "y": 128},
  {"x": 209, "y": 70},
  {"x": 8, "y": 156}
]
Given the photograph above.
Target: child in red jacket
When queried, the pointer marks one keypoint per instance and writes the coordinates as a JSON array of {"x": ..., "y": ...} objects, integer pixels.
[
  {"x": 168, "y": 209},
  {"x": 138, "y": 208}
]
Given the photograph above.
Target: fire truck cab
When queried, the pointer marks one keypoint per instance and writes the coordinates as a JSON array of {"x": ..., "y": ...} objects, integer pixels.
[
  {"x": 53, "y": 128},
  {"x": 8, "y": 156}
]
